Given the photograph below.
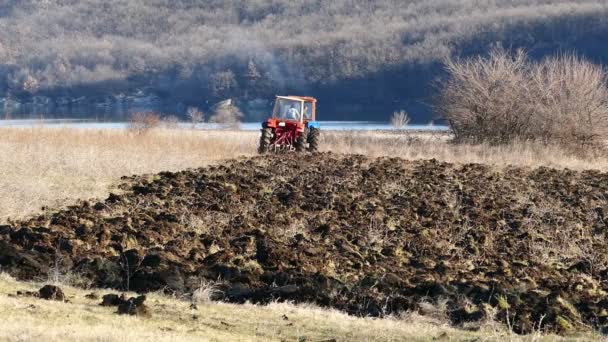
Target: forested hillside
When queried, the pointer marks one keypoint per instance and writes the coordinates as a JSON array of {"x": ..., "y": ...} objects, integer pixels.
[{"x": 362, "y": 58}]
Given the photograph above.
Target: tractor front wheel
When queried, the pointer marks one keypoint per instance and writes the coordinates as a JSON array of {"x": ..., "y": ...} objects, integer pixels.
[
  {"x": 302, "y": 140},
  {"x": 314, "y": 137},
  {"x": 265, "y": 140}
]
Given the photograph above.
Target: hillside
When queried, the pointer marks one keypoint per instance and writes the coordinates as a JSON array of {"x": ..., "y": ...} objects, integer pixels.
[
  {"x": 361, "y": 58},
  {"x": 367, "y": 236}
]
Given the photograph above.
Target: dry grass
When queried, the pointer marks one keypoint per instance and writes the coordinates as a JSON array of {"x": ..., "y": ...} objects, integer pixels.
[
  {"x": 414, "y": 146},
  {"x": 56, "y": 166},
  {"x": 172, "y": 319}
]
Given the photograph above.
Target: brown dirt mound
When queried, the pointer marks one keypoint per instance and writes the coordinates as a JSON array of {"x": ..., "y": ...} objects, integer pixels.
[
  {"x": 368, "y": 236},
  {"x": 51, "y": 292}
]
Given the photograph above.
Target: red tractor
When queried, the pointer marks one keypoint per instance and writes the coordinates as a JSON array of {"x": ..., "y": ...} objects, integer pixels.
[{"x": 292, "y": 126}]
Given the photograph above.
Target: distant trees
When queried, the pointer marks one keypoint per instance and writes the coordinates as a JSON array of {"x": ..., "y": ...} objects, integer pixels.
[
  {"x": 223, "y": 84},
  {"x": 250, "y": 48},
  {"x": 507, "y": 97}
]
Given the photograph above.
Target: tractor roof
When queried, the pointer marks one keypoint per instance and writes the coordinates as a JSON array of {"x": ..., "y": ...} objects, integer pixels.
[{"x": 298, "y": 98}]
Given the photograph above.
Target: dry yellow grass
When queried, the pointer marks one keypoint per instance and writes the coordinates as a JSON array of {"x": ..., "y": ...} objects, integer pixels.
[
  {"x": 426, "y": 145},
  {"x": 172, "y": 319},
  {"x": 56, "y": 166},
  {"x": 53, "y": 166}
]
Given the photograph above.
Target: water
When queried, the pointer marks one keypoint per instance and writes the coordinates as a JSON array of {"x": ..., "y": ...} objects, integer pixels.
[{"x": 247, "y": 126}]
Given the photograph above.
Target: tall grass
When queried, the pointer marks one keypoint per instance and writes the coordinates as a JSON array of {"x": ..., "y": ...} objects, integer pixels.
[{"x": 55, "y": 166}]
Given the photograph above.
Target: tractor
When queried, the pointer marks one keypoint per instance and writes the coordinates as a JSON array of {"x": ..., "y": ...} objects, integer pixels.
[{"x": 292, "y": 126}]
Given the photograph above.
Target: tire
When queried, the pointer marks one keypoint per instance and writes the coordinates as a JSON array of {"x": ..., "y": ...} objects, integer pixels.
[
  {"x": 302, "y": 141},
  {"x": 314, "y": 137},
  {"x": 265, "y": 140}
]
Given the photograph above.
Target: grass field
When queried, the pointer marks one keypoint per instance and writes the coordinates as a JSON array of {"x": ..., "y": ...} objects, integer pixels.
[{"x": 173, "y": 319}]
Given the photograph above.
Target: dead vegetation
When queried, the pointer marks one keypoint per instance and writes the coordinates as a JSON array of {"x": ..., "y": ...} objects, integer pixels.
[
  {"x": 400, "y": 119},
  {"x": 507, "y": 97},
  {"x": 143, "y": 122},
  {"x": 81, "y": 318},
  {"x": 227, "y": 115}
]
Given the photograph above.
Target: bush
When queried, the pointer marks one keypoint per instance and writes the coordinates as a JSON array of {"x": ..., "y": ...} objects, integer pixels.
[
  {"x": 142, "y": 122},
  {"x": 400, "y": 119},
  {"x": 227, "y": 114},
  {"x": 195, "y": 115},
  {"x": 506, "y": 97},
  {"x": 171, "y": 122}
]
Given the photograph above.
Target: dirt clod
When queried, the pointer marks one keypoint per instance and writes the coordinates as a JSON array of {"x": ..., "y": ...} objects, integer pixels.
[
  {"x": 51, "y": 292},
  {"x": 366, "y": 236},
  {"x": 134, "y": 306},
  {"x": 112, "y": 299}
]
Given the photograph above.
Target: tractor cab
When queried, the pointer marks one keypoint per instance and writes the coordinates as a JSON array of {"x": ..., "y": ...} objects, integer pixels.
[
  {"x": 292, "y": 126},
  {"x": 295, "y": 108}
]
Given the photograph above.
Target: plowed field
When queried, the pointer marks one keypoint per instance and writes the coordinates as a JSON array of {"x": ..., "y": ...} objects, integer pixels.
[{"x": 367, "y": 236}]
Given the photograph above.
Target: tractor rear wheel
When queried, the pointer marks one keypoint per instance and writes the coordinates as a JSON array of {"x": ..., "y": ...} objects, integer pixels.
[
  {"x": 302, "y": 140},
  {"x": 314, "y": 137},
  {"x": 265, "y": 140}
]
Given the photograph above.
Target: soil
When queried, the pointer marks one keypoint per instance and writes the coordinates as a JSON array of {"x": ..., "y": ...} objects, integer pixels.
[
  {"x": 133, "y": 306},
  {"x": 51, "y": 292},
  {"x": 367, "y": 236}
]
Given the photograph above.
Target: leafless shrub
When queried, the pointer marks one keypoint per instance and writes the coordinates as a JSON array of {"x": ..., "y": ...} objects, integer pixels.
[
  {"x": 377, "y": 233},
  {"x": 171, "y": 122},
  {"x": 227, "y": 114},
  {"x": 194, "y": 223},
  {"x": 60, "y": 275},
  {"x": 438, "y": 310},
  {"x": 400, "y": 119},
  {"x": 129, "y": 268},
  {"x": 143, "y": 122},
  {"x": 196, "y": 116},
  {"x": 207, "y": 291},
  {"x": 572, "y": 99},
  {"x": 506, "y": 97}
]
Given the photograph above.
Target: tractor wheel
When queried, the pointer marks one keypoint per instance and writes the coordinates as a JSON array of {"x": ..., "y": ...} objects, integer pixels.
[
  {"x": 314, "y": 137},
  {"x": 302, "y": 140},
  {"x": 265, "y": 140}
]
